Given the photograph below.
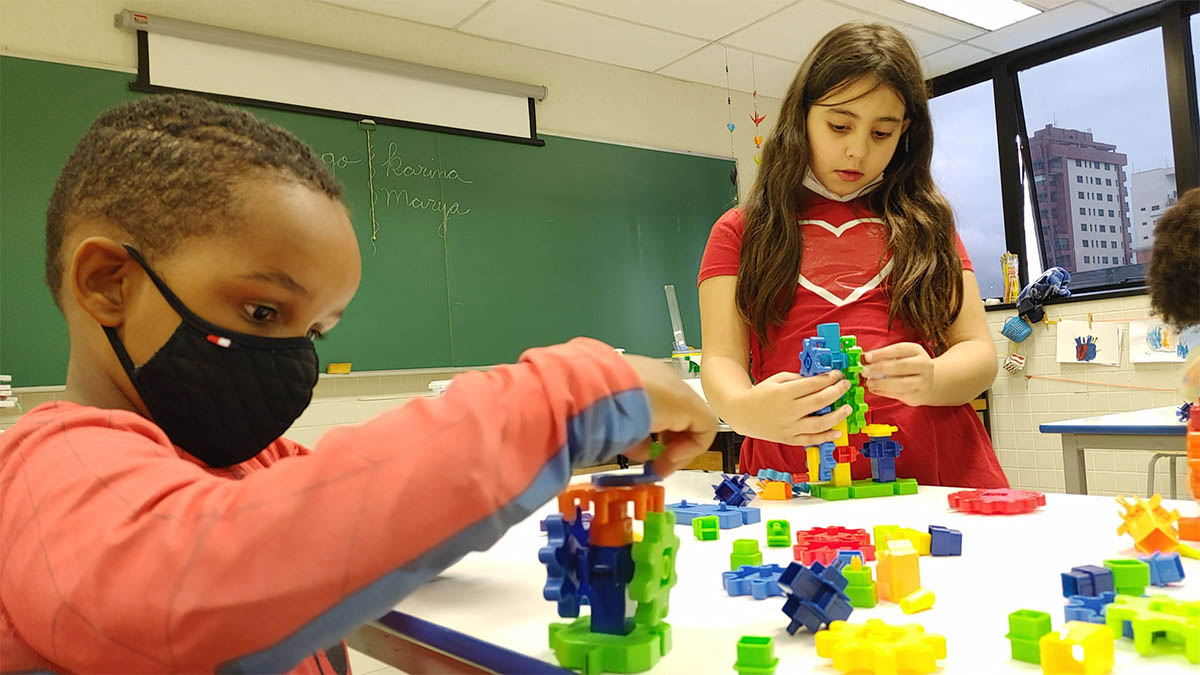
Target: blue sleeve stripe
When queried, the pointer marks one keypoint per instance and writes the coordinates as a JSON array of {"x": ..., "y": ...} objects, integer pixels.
[{"x": 603, "y": 430}]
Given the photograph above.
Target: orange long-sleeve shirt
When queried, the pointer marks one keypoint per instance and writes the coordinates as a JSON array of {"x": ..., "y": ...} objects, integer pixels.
[{"x": 119, "y": 552}]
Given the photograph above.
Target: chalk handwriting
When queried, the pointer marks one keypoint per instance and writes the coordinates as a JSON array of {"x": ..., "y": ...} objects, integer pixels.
[{"x": 395, "y": 166}]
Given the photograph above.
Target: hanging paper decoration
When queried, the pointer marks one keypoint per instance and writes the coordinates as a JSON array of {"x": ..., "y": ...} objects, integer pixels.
[
  {"x": 755, "y": 117},
  {"x": 730, "y": 125}
]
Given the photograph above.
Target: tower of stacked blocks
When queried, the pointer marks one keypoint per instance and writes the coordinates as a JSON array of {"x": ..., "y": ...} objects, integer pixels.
[
  {"x": 627, "y": 584},
  {"x": 830, "y": 462}
]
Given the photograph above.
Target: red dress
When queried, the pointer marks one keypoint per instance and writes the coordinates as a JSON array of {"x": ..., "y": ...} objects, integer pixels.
[{"x": 846, "y": 260}]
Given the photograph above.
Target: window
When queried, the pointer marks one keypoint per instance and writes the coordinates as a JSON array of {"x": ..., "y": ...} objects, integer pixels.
[
  {"x": 1154, "y": 207},
  {"x": 1112, "y": 228},
  {"x": 1078, "y": 179},
  {"x": 1085, "y": 243},
  {"x": 1062, "y": 107},
  {"x": 1081, "y": 194},
  {"x": 1105, "y": 260},
  {"x": 1087, "y": 258},
  {"x": 1055, "y": 163},
  {"x": 1053, "y": 196},
  {"x": 1103, "y": 243},
  {"x": 974, "y": 193}
]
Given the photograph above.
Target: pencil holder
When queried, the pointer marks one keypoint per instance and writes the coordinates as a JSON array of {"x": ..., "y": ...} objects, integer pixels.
[{"x": 1016, "y": 329}]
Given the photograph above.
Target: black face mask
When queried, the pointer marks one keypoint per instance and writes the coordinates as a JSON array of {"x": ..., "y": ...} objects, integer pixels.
[{"x": 221, "y": 395}]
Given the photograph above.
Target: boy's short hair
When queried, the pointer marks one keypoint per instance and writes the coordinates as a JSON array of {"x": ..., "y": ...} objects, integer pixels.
[
  {"x": 1174, "y": 275},
  {"x": 164, "y": 168}
]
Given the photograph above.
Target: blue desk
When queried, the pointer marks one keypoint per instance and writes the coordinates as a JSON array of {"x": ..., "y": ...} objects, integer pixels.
[{"x": 1153, "y": 430}]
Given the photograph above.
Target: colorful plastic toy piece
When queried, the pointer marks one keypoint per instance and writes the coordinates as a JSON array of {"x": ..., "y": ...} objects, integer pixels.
[
  {"x": 882, "y": 451},
  {"x": 577, "y": 647},
  {"x": 654, "y": 568},
  {"x": 1058, "y": 651},
  {"x": 878, "y": 647},
  {"x": 848, "y": 555},
  {"x": 760, "y": 581},
  {"x": 779, "y": 533},
  {"x": 841, "y": 474},
  {"x": 860, "y": 587},
  {"x": 899, "y": 570},
  {"x": 996, "y": 502},
  {"x": 1158, "y": 616},
  {"x": 776, "y": 490},
  {"x": 1164, "y": 568},
  {"x": 565, "y": 558},
  {"x": 1189, "y": 528},
  {"x": 1088, "y": 580},
  {"x": 610, "y": 569},
  {"x": 815, "y": 595},
  {"x": 917, "y": 601},
  {"x": 772, "y": 474},
  {"x": 706, "y": 528},
  {"x": 648, "y": 474},
  {"x": 1152, "y": 526},
  {"x": 821, "y": 544},
  {"x": 1130, "y": 577},
  {"x": 727, "y": 516},
  {"x": 922, "y": 541},
  {"x": 815, "y": 359},
  {"x": 732, "y": 490},
  {"x": 756, "y": 656},
  {"x": 1025, "y": 628},
  {"x": 587, "y": 520},
  {"x": 745, "y": 552},
  {"x": 1088, "y": 608},
  {"x": 944, "y": 541}
]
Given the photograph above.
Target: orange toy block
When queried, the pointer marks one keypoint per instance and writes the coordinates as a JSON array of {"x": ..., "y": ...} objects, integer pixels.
[
  {"x": 775, "y": 489},
  {"x": 1151, "y": 526},
  {"x": 898, "y": 570},
  {"x": 1189, "y": 528},
  {"x": 611, "y": 525}
]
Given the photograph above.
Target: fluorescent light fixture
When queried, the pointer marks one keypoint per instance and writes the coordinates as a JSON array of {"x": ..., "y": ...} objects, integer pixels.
[{"x": 987, "y": 14}]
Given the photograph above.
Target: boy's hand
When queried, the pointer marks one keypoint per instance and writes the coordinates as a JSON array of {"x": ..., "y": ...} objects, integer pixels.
[
  {"x": 903, "y": 371},
  {"x": 684, "y": 422},
  {"x": 780, "y": 408}
]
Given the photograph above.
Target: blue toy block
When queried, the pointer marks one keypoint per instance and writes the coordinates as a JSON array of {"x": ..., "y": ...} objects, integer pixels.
[
  {"x": 565, "y": 556},
  {"x": 1088, "y": 608},
  {"x": 825, "y": 470},
  {"x": 727, "y": 516},
  {"x": 815, "y": 595},
  {"x": 1164, "y": 568},
  {"x": 815, "y": 359},
  {"x": 760, "y": 581},
  {"x": 879, "y": 448},
  {"x": 732, "y": 490},
  {"x": 883, "y": 470},
  {"x": 648, "y": 475},
  {"x": 944, "y": 541},
  {"x": 831, "y": 333},
  {"x": 1088, "y": 580},
  {"x": 610, "y": 569},
  {"x": 823, "y": 411},
  {"x": 772, "y": 474},
  {"x": 847, "y": 556},
  {"x": 801, "y": 488},
  {"x": 587, "y": 521}
]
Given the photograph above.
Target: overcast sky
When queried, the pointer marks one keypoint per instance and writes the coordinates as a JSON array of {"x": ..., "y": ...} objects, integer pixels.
[{"x": 1118, "y": 91}]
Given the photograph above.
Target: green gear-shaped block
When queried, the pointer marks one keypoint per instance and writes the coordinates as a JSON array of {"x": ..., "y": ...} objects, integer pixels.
[
  {"x": 1157, "y": 621},
  {"x": 575, "y": 646},
  {"x": 654, "y": 568}
]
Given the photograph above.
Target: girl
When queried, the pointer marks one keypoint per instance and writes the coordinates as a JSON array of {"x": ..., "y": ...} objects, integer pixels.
[{"x": 844, "y": 224}]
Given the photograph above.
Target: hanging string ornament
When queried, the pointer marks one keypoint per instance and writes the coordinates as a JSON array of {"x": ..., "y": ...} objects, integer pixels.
[
  {"x": 755, "y": 117},
  {"x": 730, "y": 125}
]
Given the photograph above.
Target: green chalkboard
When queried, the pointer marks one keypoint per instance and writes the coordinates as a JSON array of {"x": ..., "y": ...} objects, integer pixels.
[{"x": 478, "y": 249}]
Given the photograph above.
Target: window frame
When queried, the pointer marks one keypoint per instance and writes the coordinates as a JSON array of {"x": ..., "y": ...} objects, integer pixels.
[{"x": 1173, "y": 18}]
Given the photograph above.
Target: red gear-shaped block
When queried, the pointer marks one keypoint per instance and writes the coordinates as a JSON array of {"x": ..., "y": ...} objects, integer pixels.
[
  {"x": 999, "y": 501},
  {"x": 821, "y": 544}
]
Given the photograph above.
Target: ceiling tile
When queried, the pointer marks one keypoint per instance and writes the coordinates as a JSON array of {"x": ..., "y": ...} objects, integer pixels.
[
  {"x": 1040, "y": 27},
  {"x": 771, "y": 75},
  {"x": 952, "y": 58},
  {"x": 925, "y": 43},
  {"x": 1119, "y": 6},
  {"x": 445, "y": 13},
  {"x": 542, "y": 25},
  {"x": 918, "y": 17},
  {"x": 791, "y": 34},
  {"x": 1047, "y": 4},
  {"x": 708, "y": 19}
]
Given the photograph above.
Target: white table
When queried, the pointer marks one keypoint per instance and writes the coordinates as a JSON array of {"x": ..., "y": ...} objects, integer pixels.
[
  {"x": 1152, "y": 430},
  {"x": 1008, "y": 563}
]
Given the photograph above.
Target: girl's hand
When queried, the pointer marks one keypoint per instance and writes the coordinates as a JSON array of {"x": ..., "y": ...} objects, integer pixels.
[
  {"x": 684, "y": 422},
  {"x": 778, "y": 408},
  {"x": 903, "y": 371}
]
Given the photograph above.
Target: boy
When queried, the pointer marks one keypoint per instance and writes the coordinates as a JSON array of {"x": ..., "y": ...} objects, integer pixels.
[{"x": 153, "y": 520}]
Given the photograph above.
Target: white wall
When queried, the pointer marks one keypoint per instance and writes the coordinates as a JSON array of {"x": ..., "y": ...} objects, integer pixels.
[{"x": 587, "y": 99}]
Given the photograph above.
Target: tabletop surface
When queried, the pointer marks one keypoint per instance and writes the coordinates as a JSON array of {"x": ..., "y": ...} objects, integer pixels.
[
  {"x": 1153, "y": 421},
  {"x": 1008, "y": 563}
]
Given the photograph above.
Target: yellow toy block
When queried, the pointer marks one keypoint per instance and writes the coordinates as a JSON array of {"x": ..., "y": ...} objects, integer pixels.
[
  {"x": 917, "y": 601},
  {"x": 1057, "y": 651},
  {"x": 878, "y": 647},
  {"x": 775, "y": 489},
  {"x": 879, "y": 430},
  {"x": 898, "y": 569},
  {"x": 922, "y": 541},
  {"x": 841, "y": 475},
  {"x": 814, "y": 462},
  {"x": 843, "y": 440}
]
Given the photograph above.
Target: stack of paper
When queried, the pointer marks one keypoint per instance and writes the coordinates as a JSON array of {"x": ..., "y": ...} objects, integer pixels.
[{"x": 7, "y": 400}]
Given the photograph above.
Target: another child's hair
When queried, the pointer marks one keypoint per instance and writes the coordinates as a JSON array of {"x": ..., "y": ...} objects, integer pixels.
[
  {"x": 164, "y": 168},
  {"x": 925, "y": 286},
  {"x": 1175, "y": 263}
]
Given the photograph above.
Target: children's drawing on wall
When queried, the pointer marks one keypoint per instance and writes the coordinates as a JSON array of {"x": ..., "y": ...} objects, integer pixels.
[
  {"x": 1152, "y": 341},
  {"x": 1098, "y": 344}
]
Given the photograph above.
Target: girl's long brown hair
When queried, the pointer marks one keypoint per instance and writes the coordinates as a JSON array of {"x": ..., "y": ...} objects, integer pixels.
[{"x": 925, "y": 286}]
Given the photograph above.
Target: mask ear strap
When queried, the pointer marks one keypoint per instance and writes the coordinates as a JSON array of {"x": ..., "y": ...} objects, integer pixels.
[
  {"x": 119, "y": 348},
  {"x": 167, "y": 294}
]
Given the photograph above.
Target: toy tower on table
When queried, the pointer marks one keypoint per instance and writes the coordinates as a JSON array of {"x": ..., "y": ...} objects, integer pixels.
[{"x": 830, "y": 462}]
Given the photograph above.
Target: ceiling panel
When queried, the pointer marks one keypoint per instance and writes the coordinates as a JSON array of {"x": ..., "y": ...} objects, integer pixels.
[
  {"x": 557, "y": 28},
  {"x": 446, "y": 13},
  {"x": 1047, "y": 4},
  {"x": 1120, "y": 6},
  {"x": 952, "y": 58},
  {"x": 923, "y": 42},
  {"x": 745, "y": 70},
  {"x": 790, "y": 34},
  {"x": 1040, "y": 27},
  {"x": 918, "y": 17},
  {"x": 708, "y": 19}
]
